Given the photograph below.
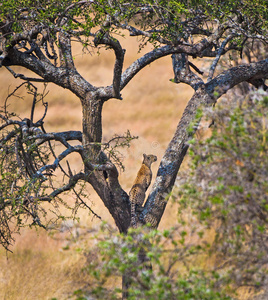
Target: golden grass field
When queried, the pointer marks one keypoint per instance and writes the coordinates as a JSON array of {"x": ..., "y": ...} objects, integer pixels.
[{"x": 39, "y": 267}]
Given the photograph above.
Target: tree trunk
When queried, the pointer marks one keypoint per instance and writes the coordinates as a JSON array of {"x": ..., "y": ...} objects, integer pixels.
[
  {"x": 102, "y": 173},
  {"x": 92, "y": 127}
]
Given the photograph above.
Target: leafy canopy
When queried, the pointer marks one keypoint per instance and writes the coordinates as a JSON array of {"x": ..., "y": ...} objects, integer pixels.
[{"x": 168, "y": 21}]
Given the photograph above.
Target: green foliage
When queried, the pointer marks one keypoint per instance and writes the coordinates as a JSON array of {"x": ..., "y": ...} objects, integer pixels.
[
  {"x": 227, "y": 187},
  {"x": 165, "y": 20},
  {"x": 18, "y": 195},
  {"x": 24, "y": 15},
  {"x": 22, "y": 193},
  {"x": 173, "y": 276},
  {"x": 111, "y": 148}
]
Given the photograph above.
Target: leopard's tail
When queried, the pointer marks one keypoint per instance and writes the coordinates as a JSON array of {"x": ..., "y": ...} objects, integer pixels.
[{"x": 133, "y": 220}]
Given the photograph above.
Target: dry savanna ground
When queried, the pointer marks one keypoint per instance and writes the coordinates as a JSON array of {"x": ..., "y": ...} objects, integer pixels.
[{"x": 42, "y": 265}]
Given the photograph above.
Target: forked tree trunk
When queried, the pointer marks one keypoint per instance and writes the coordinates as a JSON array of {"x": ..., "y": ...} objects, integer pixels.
[{"x": 102, "y": 174}]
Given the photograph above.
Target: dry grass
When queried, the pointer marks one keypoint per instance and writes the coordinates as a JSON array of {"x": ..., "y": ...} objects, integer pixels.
[{"x": 40, "y": 269}]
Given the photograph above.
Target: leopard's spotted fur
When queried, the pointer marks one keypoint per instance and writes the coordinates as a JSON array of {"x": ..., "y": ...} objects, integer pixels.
[{"x": 140, "y": 186}]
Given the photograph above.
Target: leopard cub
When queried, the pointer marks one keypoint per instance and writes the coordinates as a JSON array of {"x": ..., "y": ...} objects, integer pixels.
[{"x": 140, "y": 186}]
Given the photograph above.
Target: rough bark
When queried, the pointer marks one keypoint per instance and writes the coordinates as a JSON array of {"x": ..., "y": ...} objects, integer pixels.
[
  {"x": 92, "y": 127},
  {"x": 206, "y": 95}
]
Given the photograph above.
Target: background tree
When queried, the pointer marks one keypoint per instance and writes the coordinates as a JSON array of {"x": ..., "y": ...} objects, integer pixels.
[{"x": 38, "y": 35}]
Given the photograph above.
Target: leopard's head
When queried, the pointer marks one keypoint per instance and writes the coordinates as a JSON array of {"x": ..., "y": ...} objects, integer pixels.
[{"x": 149, "y": 159}]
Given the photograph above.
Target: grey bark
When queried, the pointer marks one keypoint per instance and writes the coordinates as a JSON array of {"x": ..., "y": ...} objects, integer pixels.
[{"x": 206, "y": 95}]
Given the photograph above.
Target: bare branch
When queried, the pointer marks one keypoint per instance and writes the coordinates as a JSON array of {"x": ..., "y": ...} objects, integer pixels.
[
  {"x": 53, "y": 166},
  {"x": 72, "y": 182},
  {"x": 21, "y": 76},
  {"x": 34, "y": 103},
  {"x": 40, "y": 122},
  {"x": 183, "y": 73},
  {"x": 62, "y": 137},
  {"x": 12, "y": 94},
  {"x": 103, "y": 37},
  {"x": 195, "y": 68},
  {"x": 219, "y": 54}
]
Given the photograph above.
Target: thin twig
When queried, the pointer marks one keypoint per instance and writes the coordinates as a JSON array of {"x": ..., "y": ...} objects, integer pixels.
[
  {"x": 58, "y": 159},
  {"x": 34, "y": 102},
  {"x": 84, "y": 203},
  {"x": 71, "y": 184},
  {"x": 21, "y": 76}
]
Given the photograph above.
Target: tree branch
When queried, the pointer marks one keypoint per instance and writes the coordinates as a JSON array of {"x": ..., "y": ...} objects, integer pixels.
[
  {"x": 53, "y": 166},
  {"x": 21, "y": 76},
  {"x": 219, "y": 54},
  {"x": 26, "y": 35},
  {"x": 103, "y": 37},
  {"x": 195, "y": 50},
  {"x": 206, "y": 95},
  {"x": 149, "y": 34},
  {"x": 183, "y": 73},
  {"x": 62, "y": 137},
  {"x": 72, "y": 182},
  {"x": 10, "y": 122},
  {"x": 150, "y": 57},
  {"x": 63, "y": 77},
  {"x": 65, "y": 51},
  {"x": 228, "y": 79}
]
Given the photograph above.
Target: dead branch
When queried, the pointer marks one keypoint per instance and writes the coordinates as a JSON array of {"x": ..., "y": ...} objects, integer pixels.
[
  {"x": 53, "y": 166},
  {"x": 21, "y": 76},
  {"x": 219, "y": 53},
  {"x": 72, "y": 182}
]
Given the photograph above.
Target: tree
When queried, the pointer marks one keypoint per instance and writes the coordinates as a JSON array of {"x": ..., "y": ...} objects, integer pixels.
[
  {"x": 222, "y": 216},
  {"x": 38, "y": 35}
]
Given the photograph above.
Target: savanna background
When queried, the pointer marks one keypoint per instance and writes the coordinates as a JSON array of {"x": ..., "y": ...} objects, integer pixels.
[{"x": 46, "y": 265}]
